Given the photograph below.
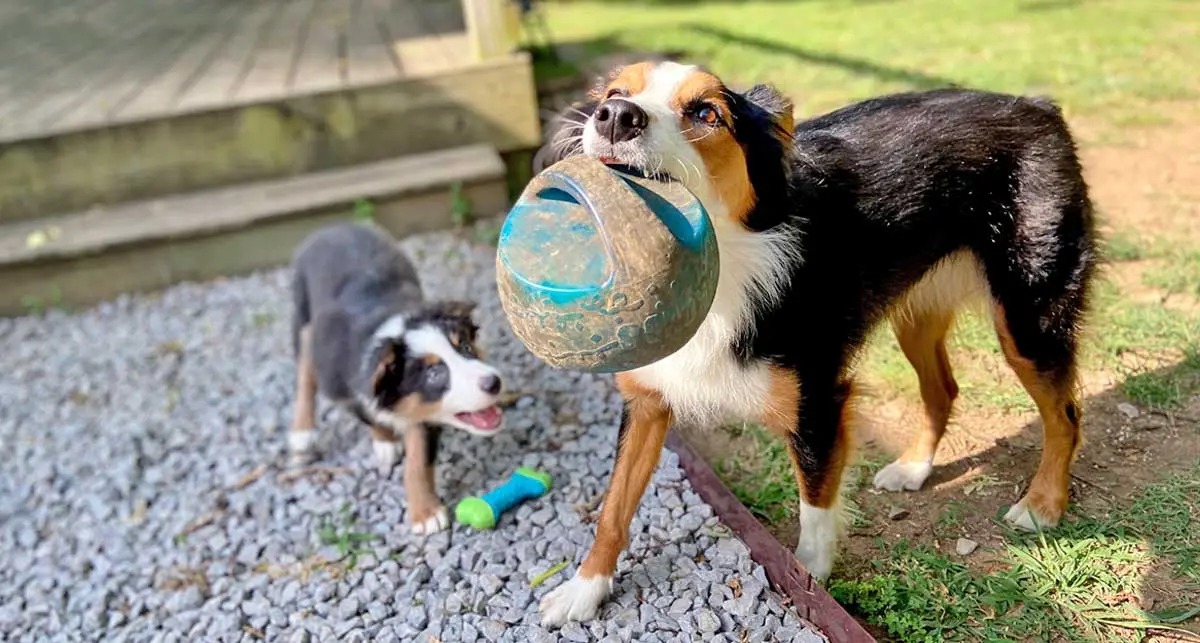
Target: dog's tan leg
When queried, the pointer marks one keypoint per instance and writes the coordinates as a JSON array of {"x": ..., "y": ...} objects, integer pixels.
[
  {"x": 923, "y": 340},
  {"x": 302, "y": 433},
  {"x": 426, "y": 514},
  {"x": 1046, "y": 500},
  {"x": 643, "y": 433}
]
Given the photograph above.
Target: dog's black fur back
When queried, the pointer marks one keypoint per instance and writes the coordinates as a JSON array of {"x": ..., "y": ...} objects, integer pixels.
[{"x": 894, "y": 185}]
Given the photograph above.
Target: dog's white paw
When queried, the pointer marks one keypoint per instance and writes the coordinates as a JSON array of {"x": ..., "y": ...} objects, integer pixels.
[
  {"x": 437, "y": 521},
  {"x": 1022, "y": 516},
  {"x": 899, "y": 476},
  {"x": 387, "y": 454},
  {"x": 578, "y": 599},
  {"x": 817, "y": 546}
]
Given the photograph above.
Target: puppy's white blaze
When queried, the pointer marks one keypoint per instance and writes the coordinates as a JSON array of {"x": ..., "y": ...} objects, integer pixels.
[
  {"x": 301, "y": 441},
  {"x": 392, "y": 328},
  {"x": 578, "y": 599},
  {"x": 903, "y": 476},
  {"x": 817, "y": 545},
  {"x": 465, "y": 394}
]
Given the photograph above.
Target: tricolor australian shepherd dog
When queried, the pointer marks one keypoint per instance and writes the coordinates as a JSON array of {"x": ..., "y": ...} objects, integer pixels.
[
  {"x": 898, "y": 209},
  {"x": 367, "y": 339}
]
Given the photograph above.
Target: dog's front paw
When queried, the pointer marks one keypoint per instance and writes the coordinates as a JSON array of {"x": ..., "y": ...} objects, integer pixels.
[
  {"x": 898, "y": 476},
  {"x": 427, "y": 523},
  {"x": 576, "y": 600}
]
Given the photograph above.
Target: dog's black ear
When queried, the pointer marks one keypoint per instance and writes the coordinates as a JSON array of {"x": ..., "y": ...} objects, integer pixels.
[
  {"x": 452, "y": 309},
  {"x": 453, "y": 316},
  {"x": 767, "y": 102},
  {"x": 387, "y": 363}
]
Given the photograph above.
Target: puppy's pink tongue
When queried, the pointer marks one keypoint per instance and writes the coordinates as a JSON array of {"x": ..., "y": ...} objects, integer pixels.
[{"x": 487, "y": 419}]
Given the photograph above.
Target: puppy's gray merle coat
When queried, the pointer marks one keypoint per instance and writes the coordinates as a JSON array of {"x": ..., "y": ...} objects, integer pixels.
[{"x": 367, "y": 340}]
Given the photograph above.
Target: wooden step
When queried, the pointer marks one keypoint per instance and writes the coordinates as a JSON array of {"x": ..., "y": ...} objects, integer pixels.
[
  {"x": 87, "y": 257},
  {"x": 215, "y": 141}
]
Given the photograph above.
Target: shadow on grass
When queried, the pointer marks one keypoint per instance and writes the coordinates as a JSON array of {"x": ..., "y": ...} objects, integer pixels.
[
  {"x": 608, "y": 48},
  {"x": 860, "y": 66}
]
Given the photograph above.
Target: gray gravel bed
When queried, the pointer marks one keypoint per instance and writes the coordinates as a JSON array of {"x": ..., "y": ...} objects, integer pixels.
[{"x": 144, "y": 494}]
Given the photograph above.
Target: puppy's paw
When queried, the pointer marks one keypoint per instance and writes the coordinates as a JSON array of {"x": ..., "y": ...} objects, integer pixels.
[
  {"x": 300, "y": 447},
  {"x": 578, "y": 599},
  {"x": 387, "y": 454},
  {"x": 899, "y": 476},
  {"x": 1030, "y": 516},
  {"x": 429, "y": 523}
]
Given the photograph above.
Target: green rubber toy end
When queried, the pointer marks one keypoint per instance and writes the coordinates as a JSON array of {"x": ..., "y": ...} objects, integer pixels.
[
  {"x": 474, "y": 512},
  {"x": 541, "y": 477}
]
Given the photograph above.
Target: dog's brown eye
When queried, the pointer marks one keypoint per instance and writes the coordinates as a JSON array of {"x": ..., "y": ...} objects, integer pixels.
[
  {"x": 615, "y": 91},
  {"x": 707, "y": 115}
]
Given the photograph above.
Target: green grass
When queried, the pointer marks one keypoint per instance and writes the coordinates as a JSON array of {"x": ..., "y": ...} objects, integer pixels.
[
  {"x": 1115, "y": 59},
  {"x": 1178, "y": 274},
  {"x": 1081, "y": 582},
  {"x": 341, "y": 533},
  {"x": 765, "y": 482}
]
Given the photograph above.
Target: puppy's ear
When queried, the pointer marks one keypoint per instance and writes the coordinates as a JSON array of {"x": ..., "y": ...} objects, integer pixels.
[
  {"x": 387, "y": 377},
  {"x": 766, "y": 102},
  {"x": 452, "y": 309}
]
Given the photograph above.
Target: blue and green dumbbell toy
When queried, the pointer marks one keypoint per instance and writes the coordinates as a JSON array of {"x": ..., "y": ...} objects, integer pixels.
[{"x": 483, "y": 512}]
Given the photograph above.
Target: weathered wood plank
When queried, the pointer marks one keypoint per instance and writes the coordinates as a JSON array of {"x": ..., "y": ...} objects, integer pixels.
[
  {"x": 160, "y": 97},
  {"x": 215, "y": 86},
  {"x": 371, "y": 59},
  {"x": 162, "y": 50},
  {"x": 275, "y": 54},
  {"x": 318, "y": 66}
]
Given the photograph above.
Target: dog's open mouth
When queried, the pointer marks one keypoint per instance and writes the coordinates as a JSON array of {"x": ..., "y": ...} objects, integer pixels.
[{"x": 486, "y": 420}]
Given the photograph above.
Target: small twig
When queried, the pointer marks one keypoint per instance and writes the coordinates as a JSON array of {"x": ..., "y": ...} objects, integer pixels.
[
  {"x": 250, "y": 478},
  {"x": 200, "y": 523},
  {"x": 288, "y": 477},
  {"x": 1172, "y": 416}
]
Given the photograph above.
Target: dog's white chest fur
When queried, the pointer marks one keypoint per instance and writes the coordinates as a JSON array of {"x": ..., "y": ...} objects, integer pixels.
[{"x": 703, "y": 381}]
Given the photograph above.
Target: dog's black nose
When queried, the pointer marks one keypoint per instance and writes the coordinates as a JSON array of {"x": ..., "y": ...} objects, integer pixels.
[
  {"x": 491, "y": 384},
  {"x": 620, "y": 120}
]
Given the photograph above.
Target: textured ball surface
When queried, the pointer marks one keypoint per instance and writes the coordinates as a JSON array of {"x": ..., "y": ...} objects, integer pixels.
[{"x": 603, "y": 270}]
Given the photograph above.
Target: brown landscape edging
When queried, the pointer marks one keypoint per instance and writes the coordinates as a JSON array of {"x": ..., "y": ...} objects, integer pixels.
[{"x": 785, "y": 572}]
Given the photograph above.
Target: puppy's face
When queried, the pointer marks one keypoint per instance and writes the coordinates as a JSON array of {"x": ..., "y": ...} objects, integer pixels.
[
  {"x": 431, "y": 372},
  {"x": 729, "y": 148}
]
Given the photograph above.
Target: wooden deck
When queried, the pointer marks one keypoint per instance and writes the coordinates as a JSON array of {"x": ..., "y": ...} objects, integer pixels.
[{"x": 71, "y": 65}]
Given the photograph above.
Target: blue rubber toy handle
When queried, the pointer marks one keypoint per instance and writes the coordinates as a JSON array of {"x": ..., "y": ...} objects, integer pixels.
[{"x": 518, "y": 489}]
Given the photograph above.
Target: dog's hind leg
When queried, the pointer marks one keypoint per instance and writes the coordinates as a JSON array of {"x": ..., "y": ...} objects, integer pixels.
[
  {"x": 1046, "y": 367},
  {"x": 922, "y": 338}
]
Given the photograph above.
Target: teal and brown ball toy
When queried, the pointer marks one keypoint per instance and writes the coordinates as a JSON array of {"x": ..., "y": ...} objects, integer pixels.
[{"x": 603, "y": 269}]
